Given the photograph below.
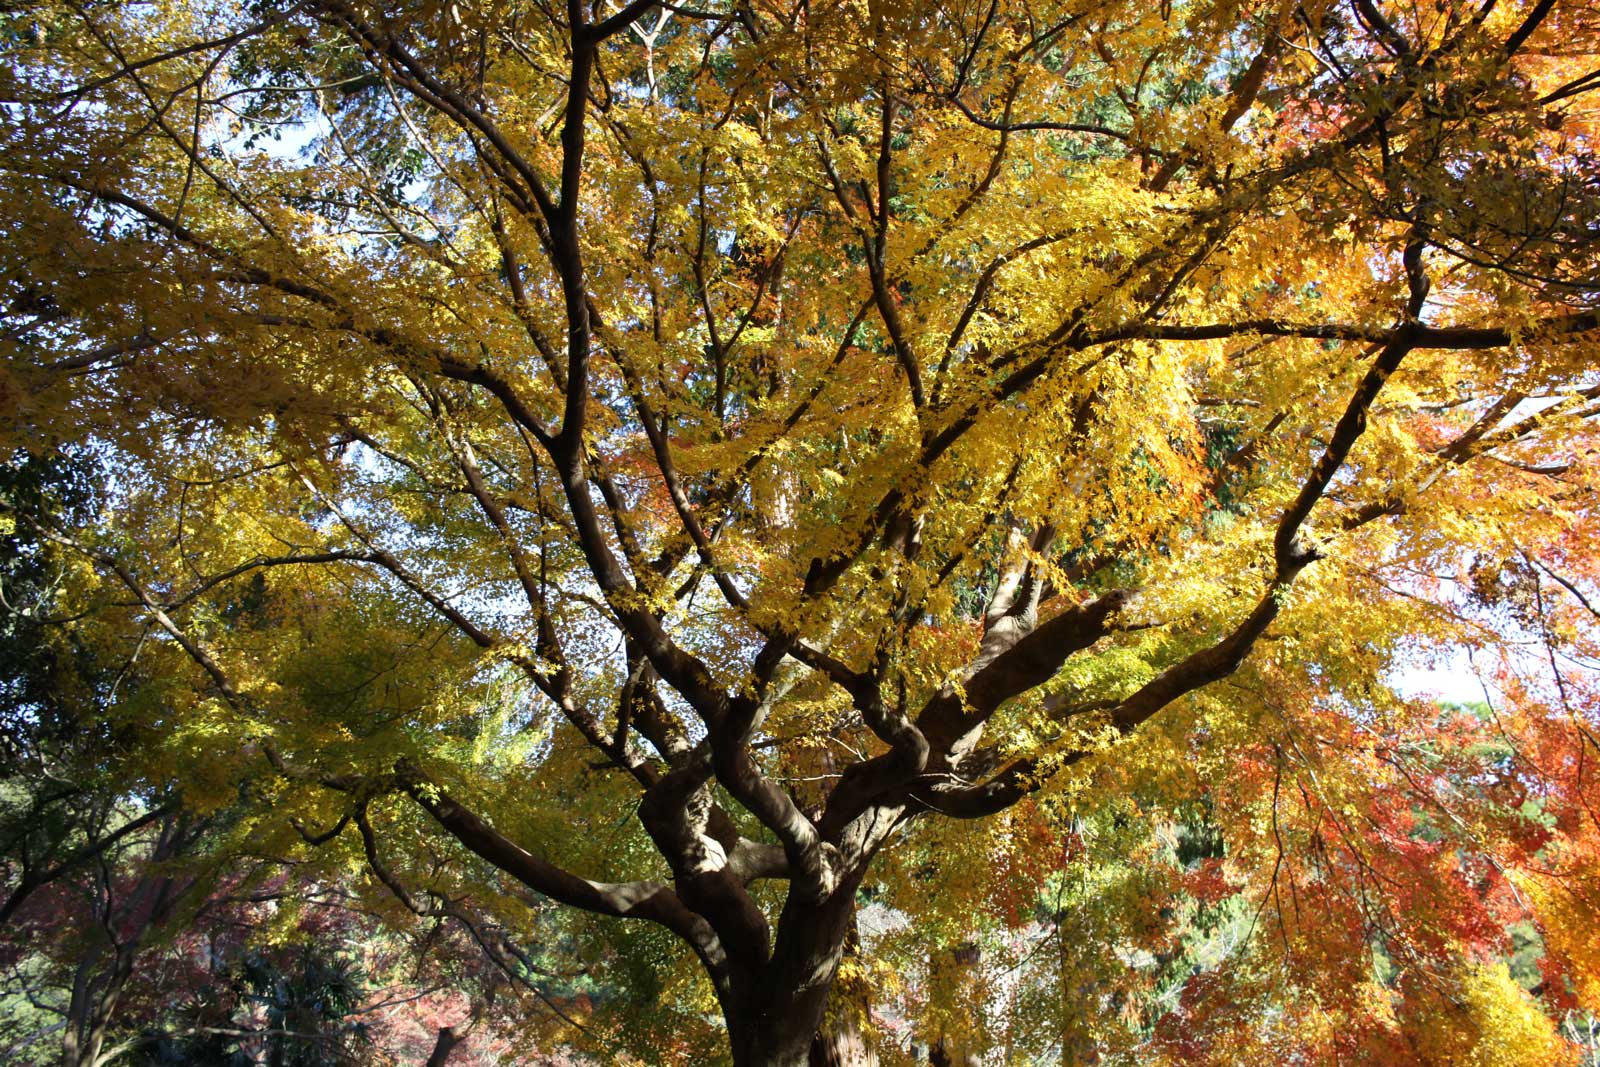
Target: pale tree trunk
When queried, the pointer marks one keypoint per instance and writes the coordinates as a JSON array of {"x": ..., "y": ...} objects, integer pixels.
[
  {"x": 841, "y": 1043},
  {"x": 951, "y": 968}
]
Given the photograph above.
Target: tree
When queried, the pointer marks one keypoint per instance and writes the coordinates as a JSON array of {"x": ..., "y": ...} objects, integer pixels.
[
  {"x": 84, "y": 861},
  {"x": 133, "y": 928},
  {"x": 812, "y": 428}
]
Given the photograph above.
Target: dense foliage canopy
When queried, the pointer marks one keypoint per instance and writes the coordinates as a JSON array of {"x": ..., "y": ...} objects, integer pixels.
[{"x": 872, "y": 526}]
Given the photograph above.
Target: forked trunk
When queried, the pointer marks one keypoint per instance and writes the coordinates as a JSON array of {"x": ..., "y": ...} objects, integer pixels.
[
  {"x": 776, "y": 1017},
  {"x": 780, "y": 1032}
]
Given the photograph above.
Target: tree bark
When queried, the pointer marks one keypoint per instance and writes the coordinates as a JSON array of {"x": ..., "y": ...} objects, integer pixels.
[
  {"x": 449, "y": 1037},
  {"x": 777, "y": 1017},
  {"x": 841, "y": 1041}
]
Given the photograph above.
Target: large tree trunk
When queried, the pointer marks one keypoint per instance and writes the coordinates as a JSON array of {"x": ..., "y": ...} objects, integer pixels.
[
  {"x": 841, "y": 1041},
  {"x": 777, "y": 1016}
]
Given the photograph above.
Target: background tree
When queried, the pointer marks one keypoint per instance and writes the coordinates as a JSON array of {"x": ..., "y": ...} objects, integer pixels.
[
  {"x": 811, "y": 428},
  {"x": 86, "y": 861},
  {"x": 134, "y": 928}
]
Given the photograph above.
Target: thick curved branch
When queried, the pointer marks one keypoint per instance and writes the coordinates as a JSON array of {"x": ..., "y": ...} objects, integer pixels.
[
  {"x": 628, "y": 900},
  {"x": 1221, "y": 659},
  {"x": 1290, "y": 556},
  {"x": 1418, "y": 336}
]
